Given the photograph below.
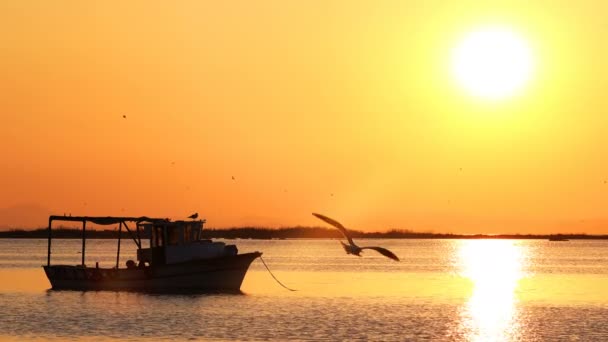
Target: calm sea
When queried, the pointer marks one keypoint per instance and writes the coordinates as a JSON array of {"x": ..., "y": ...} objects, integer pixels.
[{"x": 442, "y": 290}]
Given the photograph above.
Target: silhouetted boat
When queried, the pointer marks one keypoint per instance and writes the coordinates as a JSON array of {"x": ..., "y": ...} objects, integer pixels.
[
  {"x": 558, "y": 239},
  {"x": 178, "y": 260}
]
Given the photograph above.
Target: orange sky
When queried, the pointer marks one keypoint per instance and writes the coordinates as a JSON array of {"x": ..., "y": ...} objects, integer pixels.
[{"x": 299, "y": 100}]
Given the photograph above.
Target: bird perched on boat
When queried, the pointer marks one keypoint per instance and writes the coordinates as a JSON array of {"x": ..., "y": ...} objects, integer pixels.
[
  {"x": 352, "y": 248},
  {"x": 193, "y": 216}
]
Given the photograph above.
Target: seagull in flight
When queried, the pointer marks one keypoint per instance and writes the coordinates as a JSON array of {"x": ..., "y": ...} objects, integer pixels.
[
  {"x": 193, "y": 216},
  {"x": 352, "y": 248}
]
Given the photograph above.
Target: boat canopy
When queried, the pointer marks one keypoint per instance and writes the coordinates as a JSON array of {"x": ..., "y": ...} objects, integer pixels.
[{"x": 105, "y": 220}]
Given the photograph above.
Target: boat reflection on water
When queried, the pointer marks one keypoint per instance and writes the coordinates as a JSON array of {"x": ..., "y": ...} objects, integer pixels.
[{"x": 495, "y": 268}]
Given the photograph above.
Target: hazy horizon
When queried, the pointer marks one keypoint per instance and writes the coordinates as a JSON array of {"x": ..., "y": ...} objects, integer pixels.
[{"x": 565, "y": 227}]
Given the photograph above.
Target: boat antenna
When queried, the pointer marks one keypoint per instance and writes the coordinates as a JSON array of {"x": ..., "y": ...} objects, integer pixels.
[{"x": 275, "y": 278}]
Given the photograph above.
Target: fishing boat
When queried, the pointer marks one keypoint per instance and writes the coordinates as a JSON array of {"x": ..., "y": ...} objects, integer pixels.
[
  {"x": 558, "y": 239},
  {"x": 176, "y": 259}
]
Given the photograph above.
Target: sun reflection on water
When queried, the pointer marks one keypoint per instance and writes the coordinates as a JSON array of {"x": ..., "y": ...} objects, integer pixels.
[{"x": 494, "y": 267}]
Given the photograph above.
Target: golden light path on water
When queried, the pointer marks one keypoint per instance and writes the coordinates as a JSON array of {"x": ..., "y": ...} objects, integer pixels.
[
  {"x": 446, "y": 290},
  {"x": 495, "y": 268}
]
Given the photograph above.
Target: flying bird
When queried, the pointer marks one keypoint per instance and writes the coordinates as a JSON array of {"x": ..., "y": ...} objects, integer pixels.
[
  {"x": 193, "y": 216},
  {"x": 352, "y": 248},
  {"x": 124, "y": 116}
]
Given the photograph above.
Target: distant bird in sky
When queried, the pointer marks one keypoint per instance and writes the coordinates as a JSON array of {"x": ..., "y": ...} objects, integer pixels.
[
  {"x": 124, "y": 116},
  {"x": 352, "y": 248},
  {"x": 193, "y": 216},
  {"x": 233, "y": 178}
]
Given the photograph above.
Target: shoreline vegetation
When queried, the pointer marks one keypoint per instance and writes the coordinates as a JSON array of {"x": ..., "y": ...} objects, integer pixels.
[{"x": 288, "y": 233}]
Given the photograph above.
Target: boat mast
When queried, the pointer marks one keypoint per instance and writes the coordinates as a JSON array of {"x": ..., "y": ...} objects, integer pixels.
[
  {"x": 118, "y": 249},
  {"x": 48, "y": 256}
]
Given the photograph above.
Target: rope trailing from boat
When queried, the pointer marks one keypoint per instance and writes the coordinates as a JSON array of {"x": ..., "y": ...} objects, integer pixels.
[{"x": 275, "y": 278}]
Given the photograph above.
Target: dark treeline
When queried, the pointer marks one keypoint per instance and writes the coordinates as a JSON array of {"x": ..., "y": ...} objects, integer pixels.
[{"x": 285, "y": 233}]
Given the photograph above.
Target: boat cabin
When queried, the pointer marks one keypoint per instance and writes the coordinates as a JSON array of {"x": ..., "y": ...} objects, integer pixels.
[{"x": 179, "y": 241}]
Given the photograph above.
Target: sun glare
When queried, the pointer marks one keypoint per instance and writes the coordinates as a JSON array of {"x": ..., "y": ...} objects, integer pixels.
[
  {"x": 492, "y": 63},
  {"x": 494, "y": 267}
]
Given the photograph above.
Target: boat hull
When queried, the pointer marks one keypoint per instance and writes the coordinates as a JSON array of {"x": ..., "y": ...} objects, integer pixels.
[{"x": 223, "y": 274}]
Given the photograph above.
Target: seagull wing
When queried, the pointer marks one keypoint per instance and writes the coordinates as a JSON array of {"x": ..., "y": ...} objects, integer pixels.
[
  {"x": 337, "y": 225},
  {"x": 384, "y": 252}
]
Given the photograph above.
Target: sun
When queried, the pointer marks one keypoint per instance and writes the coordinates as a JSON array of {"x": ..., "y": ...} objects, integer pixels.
[{"x": 492, "y": 63}]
